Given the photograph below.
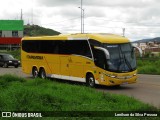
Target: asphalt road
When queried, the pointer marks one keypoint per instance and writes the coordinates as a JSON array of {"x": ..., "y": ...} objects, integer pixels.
[
  {"x": 13, "y": 71},
  {"x": 147, "y": 89}
]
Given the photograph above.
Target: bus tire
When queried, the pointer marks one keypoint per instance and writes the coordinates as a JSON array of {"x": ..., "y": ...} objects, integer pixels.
[
  {"x": 34, "y": 72},
  {"x": 90, "y": 81},
  {"x": 42, "y": 73}
]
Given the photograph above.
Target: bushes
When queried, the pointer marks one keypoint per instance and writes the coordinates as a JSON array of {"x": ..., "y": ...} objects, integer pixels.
[{"x": 149, "y": 66}]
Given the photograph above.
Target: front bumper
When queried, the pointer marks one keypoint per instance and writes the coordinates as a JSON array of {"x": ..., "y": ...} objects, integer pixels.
[
  {"x": 119, "y": 79},
  {"x": 116, "y": 81}
]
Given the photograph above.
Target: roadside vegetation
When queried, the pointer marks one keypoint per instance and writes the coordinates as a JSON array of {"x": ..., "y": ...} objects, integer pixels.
[
  {"x": 15, "y": 53},
  {"x": 19, "y": 94},
  {"x": 148, "y": 66}
]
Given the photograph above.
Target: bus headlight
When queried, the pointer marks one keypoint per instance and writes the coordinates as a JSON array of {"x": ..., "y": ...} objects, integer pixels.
[
  {"x": 134, "y": 74},
  {"x": 112, "y": 76}
]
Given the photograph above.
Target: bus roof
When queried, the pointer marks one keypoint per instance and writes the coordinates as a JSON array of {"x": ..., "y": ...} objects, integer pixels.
[{"x": 101, "y": 37}]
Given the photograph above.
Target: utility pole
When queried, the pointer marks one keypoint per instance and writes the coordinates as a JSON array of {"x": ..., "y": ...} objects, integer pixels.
[
  {"x": 82, "y": 17},
  {"x": 123, "y": 29},
  {"x": 21, "y": 15},
  {"x": 32, "y": 16},
  {"x": 83, "y": 20}
]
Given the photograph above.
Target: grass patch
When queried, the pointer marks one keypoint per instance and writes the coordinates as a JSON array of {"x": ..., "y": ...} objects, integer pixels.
[
  {"x": 149, "y": 66},
  {"x": 19, "y": 94}
]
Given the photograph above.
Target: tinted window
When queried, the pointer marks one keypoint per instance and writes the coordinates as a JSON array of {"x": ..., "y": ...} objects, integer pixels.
[
  {"x": 100, "y": 59},
  {"x": 79, "y": 47},
  {"x": 8, "y": 57},
  {"x": 40, "y": 46},
  {"x": 95, "y": 43}
]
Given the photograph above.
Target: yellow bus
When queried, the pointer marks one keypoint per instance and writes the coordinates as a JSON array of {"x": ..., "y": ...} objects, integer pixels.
[{"x": 104, "y": 59}]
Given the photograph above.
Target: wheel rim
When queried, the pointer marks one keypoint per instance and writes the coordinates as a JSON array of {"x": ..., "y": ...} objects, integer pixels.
[
  {"x": 43, "y": 74},
  {"x": 91, "y": 81},
  {"x": 35, "y": 73}
]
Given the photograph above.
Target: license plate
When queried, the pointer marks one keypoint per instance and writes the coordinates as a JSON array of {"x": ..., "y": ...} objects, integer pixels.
[{"x": 124, "y": 83}]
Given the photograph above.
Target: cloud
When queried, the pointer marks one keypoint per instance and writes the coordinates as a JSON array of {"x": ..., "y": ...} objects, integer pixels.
[
  {"x": 106, "y": 3},
  {"x": 56, "y": 3},
  {"x": 95, "y": 12},
  {"x": 71, "y": 12},
  {"x": 32, "y": 16},
  {"x": 139, "y": 17}
]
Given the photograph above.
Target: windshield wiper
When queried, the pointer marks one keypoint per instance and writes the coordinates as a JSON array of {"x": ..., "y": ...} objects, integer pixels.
[{"x": 126, "y": 61}]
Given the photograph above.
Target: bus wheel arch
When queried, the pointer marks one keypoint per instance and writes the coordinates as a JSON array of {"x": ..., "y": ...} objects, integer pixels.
[
  {"x": 42, "y": 73},
  {"x": 90, "y": 80},
  {"x": 34, "y": 72}
]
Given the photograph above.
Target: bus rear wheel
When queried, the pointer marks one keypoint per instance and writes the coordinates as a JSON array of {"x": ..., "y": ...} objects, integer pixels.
[
  {"x": 35, "y": 72},
  {"x": 42, "y": 73},
  {"x": 90, "y": 80}
]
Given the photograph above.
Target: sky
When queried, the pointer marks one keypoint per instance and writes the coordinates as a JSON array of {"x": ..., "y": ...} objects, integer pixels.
[{"x": 139, "y": 18}]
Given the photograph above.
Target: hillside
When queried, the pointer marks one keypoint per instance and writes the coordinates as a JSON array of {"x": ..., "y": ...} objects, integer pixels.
[
  {"x": 35, "y": 30},
  {"x": 157, "y": 39}
]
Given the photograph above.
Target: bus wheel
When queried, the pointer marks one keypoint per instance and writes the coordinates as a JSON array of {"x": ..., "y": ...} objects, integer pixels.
[
  {"x": 42, "y": 73},
  {"x": 90, "y": 80},
  {"x": 35, "y": 72}
]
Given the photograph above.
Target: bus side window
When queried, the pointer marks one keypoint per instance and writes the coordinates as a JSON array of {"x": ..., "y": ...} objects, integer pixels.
[
  {"x": 100, "y": 59},
  {"x": 55, "y": 47},
  {"x": 77, "y": 47}
]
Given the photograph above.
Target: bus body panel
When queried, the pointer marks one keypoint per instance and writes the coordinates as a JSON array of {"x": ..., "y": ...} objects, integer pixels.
[
  {"x": 53, "y": 62},
  {"x": 64, "y": 67},
  {"x": 75, "y": 67}
]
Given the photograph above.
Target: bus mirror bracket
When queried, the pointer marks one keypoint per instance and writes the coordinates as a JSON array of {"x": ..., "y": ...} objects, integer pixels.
[
  {"x": 107, "y": 55},
  {"x": 139, "y": 50}
]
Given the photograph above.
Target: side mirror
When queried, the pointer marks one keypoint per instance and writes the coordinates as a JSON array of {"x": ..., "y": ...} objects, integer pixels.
[
  {"x": 139, "y": 49},
  {"x": 105, "y": 51}
]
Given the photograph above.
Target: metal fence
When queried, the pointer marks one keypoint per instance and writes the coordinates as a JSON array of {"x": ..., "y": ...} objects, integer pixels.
[{"x": 10, "y": 47}]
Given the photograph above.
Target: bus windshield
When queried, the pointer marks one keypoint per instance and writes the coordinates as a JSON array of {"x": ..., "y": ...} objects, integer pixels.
[{"x": 122, "y": 57}]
